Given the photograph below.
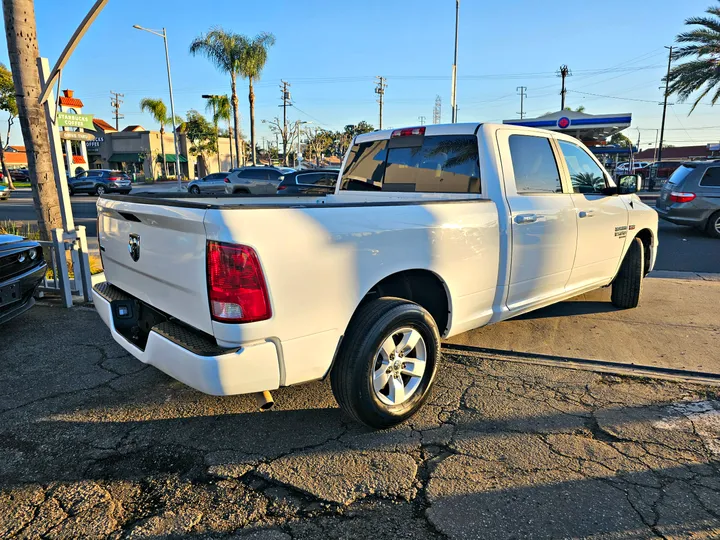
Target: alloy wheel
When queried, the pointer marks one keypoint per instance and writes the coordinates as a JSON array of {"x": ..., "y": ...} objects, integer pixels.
[{"x": 399, "y": 366}]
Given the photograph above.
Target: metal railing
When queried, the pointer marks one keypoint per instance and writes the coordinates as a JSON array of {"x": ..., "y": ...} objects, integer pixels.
[{"x": 61, "y": 283}]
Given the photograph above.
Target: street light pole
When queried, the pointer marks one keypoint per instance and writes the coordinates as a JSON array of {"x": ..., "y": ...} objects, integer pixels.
[
  {"x": 172, "y": 102},
  {"x": 453, "y": 97}
]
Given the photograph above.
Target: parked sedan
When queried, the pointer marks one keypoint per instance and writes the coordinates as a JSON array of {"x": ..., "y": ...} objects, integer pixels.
[
  {"x": 20, "y": 175},
  {"x": 253, "y": 181},
  {"x": 691, "y": 196},
  {"x": 311, "y": 182},
  {"x": 22, "y": 268},
  {"x": 212, "y": 183},
  {"x": 99, "y": 182}
]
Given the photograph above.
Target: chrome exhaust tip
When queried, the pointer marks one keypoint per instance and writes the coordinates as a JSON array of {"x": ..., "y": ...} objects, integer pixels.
[{"x": 264, "y": 400}]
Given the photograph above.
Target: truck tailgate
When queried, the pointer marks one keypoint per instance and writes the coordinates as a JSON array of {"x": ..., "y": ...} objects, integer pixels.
[{"x": 169, "y": 245}]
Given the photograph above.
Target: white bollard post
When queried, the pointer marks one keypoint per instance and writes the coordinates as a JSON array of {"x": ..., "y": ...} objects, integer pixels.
[
  {"x": 61, "y": 275},
  {"x": 86, "y": 278}
]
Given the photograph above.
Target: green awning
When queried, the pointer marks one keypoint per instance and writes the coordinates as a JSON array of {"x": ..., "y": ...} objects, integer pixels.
[
  {"x": 170, "y": 158},
  {"x": 131, "y": 157}
]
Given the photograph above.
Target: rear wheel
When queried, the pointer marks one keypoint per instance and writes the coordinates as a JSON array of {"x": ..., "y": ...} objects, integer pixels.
[
  {"x": 713, "y": 225},
  {"x": 100, "y": 190},
  {"x": 386, "y": 366},
  {"x": 627, "y": 286}
]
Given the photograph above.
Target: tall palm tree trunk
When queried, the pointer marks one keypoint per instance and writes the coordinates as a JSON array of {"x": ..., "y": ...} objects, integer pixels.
[
  {"x": 21, "y": 34},
  {"x": 162, "y": 150},
  {"x": 251, "y": 96},
  {"x": 231, "y": 145},
  {"x": 236, "y": 113}
]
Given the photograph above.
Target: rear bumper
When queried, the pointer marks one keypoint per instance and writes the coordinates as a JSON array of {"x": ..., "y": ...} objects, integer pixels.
[
  {"x": 194, "y": 359},
  {"x": 696, "y": 218}
]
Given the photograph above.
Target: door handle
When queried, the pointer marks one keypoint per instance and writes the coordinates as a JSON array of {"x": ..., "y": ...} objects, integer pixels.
[
  {"x": 586, "y": 213},
  {"x": 525, "y": 218}
]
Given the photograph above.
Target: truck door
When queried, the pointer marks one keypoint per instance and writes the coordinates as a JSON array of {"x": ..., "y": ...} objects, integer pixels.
[
  {"x": 602, "y": 220},
  {"x": 542, "y": 216}
]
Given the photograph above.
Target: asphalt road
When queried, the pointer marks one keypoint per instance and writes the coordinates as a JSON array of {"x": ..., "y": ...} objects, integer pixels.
[
  {"x": 682, "y": 249},
  {"x": 94, "y": 444}
]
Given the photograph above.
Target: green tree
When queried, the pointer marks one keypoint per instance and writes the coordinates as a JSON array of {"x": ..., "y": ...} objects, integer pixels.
[
  {"x": 21, "y": 35},
  {"x": 202, "y": 137},
  {"x": 252, "y": 61},
  {"x": 8, "y": 104},
  {"x": 701, "y": 74},
  {"x": 158, "y": 110},
  {"x": 222, "y": 110},
  {"x": 621, "y": 140},
  {"x": 225, "y": 50}
]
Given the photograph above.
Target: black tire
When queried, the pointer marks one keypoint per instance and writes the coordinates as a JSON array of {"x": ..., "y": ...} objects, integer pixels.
[
  {"x": 627, "y": 286},
  {"x": 100, "y": 190},
  {"x": 195, "y": 190},
  {"x": 352, "y": 375},
  {"x": 713, "y": 225}
]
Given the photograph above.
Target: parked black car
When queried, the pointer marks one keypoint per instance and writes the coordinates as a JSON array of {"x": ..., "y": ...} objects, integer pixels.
[
  {"x": 310, "y": 181},
  {"x": 22, "y": 268},
  {"x": 99, "y": 182},
  {"x": 20, "y": 175}
]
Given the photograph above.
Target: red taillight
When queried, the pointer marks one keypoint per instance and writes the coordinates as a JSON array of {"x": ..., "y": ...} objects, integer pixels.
[
  {"x": 236, "y": 285},
  {"x": 114, "y": 178},
  {"x": 407, "y": 132},
  {"x": 227, "y": 180},
  {"x": 281, "y": 188},
  {"x": 680, "y": 197}
]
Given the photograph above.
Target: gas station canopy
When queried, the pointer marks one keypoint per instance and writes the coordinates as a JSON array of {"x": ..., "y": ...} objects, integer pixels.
[{"x": 589, "y": 128}]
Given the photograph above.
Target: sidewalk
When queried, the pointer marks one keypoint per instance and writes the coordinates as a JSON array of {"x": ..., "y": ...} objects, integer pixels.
[{"x": 676, "y": 326}]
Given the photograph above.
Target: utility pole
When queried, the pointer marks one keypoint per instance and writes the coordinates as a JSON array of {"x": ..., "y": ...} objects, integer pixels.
[
  {"x": 422, "y": 120},
  {"x": 437, "y": 110},
  {"x": 523, "y": 95},
  {"x": 380, "y": 91},
  {"x": 115, "y": 103},
  {"x": 286, "y": 101},
  {"x": 564, "y": 72},
  {"x": 665, "y": 104},
  {"x": 453, "y": 89}
]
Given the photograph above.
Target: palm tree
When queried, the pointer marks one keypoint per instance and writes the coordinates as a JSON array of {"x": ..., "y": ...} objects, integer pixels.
[
  {"x": 158, "y": 110},
  {"x": 222, "y": 110},
  {"x": 703, "y": 73},
  {"x": 21, "y": 35},
  {"x": 224, "y": 49},
  {"x": 252, "y": 61}
]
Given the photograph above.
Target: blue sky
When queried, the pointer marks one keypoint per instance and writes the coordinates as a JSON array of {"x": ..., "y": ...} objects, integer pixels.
[{"x": 330, "y": 52}]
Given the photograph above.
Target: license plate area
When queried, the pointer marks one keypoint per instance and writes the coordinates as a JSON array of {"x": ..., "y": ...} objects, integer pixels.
[{"x": 9, "y": 294}]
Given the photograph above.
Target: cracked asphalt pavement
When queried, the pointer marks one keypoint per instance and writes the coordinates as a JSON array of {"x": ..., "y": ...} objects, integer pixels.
[{"x": 95, "y": 444}]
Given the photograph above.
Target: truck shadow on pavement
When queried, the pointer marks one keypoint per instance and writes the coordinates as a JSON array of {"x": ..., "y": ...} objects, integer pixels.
[{"x": 94, "y": 444}]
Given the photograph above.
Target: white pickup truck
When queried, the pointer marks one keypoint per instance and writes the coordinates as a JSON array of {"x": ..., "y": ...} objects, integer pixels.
[{"x": 432, "y": 231}]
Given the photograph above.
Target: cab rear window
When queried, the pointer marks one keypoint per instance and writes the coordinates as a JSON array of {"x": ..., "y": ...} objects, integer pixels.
[{"x": 432, "y": 164}]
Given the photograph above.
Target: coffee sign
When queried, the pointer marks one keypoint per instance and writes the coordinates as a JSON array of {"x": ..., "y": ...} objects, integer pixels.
[{"x": 75, "y": 120}]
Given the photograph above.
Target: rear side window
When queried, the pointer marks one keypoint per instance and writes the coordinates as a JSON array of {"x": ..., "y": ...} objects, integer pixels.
[
  {"x": 365, "y": 166},
  {"x": 308, "y": 179},
  {"x": 533, "y": 160},
  {"x": 272, "y": 174},
  {"x": 680, "y": 174},
  {"x": 436, "y": 164},
  {"x": 711, "y": 178}
]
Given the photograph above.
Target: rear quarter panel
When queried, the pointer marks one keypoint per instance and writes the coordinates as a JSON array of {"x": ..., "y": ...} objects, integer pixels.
[{"x": 319, "y": 263}]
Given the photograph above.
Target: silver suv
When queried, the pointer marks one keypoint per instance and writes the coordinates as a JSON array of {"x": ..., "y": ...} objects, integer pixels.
[
  {"x": 691, "y": 196},
  {"x": 253, "y": 181}
]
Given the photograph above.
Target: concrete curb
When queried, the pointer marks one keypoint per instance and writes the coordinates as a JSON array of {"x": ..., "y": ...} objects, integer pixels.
[{"x": 685, "y": 276}]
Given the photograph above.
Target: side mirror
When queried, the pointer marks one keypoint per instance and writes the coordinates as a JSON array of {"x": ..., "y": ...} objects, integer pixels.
[{"x": 629, "y": 184}]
